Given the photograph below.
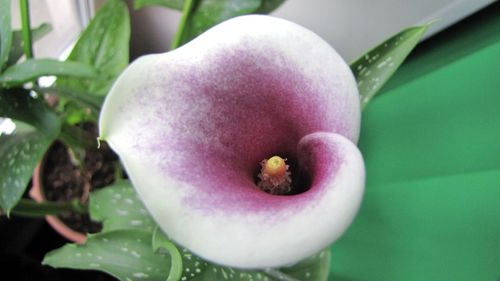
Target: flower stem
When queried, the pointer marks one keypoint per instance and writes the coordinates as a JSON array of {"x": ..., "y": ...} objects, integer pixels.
[
  {"x": 278, "y": 275},
  {"x": 186, "y": 14},
  {"x": 75, "y": 137},
  {"x": 160, "y": 241},
  {"x": 30, "y": 208},
  {"x": 26, "y": 29}
]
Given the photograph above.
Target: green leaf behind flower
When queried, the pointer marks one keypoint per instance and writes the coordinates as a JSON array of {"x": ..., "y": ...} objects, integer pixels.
[
  {"x": 375, "y": 67},
  {"x": 103, "y": 45},
  {"x": 21, "y": 151},
  {"x": 5, "y": 32},
  {"x": 203, "y": 14},
  {"x": 266, "y": 6},
  {"x": 315, "y": 268},
  {"x": 173, "y": 4},
  {"x": 208, "y": 13},
  {"x": 124, "y": 254},
  {"x": 31, "y": 69},
  {"x": 118, "y": 207},
  {"x": 16, "y": 50},
  {"x": 19, "y": 155}
]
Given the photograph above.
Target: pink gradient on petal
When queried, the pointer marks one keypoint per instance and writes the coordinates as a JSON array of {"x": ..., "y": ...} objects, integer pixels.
[{"x": 227, "y": 117}]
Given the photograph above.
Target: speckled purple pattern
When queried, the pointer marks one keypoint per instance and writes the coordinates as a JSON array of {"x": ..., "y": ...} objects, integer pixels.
[
  {"x": 244, "y": 107},
  {"x": 192, "y": 126}
]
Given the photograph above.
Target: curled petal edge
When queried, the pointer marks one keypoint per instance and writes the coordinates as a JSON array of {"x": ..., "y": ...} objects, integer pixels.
[{"x": 300, "y": 226}]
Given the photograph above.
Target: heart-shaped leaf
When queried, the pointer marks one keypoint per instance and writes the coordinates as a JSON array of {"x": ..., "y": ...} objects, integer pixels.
[{"x": 375, "y": 67}]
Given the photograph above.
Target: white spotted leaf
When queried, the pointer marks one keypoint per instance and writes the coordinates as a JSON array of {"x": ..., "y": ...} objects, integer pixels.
[
  {"x": 21, "y": 151},
  {"x": 314, "y": 268},
  {"x": 124, "y": 254},
  {"x": 20, "y": 105},
  {"x": 375, "y": 67},
  {"x": 193, "y": 268},
  {"x": 118, "y": 207},
  {"x": 19, "y": 155}
]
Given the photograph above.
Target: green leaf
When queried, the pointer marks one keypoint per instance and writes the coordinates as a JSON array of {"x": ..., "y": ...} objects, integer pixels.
[
  {"x": 30, "y": 208},
  {"x": 173, "y": 4},
  {"x": 197, "y": 269},
  {"x": 268, "y": 6},
  {"x": 5, "y": 32},
  {"x": 119, "y": 207},
  {"x": 315, "y": 268},
  {"x": 208, "y": 13},
  {"x": 104, "y": 44},
  {"x": 375, "y": 67},
  {"x": 19, "y": 105},
  {"x": 29, "y": 70},
  {"x": 82, "y": 98},
  {"x": 124, "y": 254},
  {"x": 16, "y": 51},
  {"x": 20, "y": 152},
  {"x": 19, "y": 155}
]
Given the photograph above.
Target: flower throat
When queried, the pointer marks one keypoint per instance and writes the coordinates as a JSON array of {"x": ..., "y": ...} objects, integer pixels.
[{"x": 274, "y": 176}]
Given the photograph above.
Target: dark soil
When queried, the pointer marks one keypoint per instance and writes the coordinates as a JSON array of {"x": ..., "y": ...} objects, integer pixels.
[{"x": 64, "y": 181}]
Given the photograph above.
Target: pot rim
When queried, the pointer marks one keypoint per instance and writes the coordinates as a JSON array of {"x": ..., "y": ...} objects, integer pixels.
[{"x": 36, "y": 192}]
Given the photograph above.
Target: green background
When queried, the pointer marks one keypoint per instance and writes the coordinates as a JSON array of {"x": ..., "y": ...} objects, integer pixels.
[{"x": 431, "y": 143}]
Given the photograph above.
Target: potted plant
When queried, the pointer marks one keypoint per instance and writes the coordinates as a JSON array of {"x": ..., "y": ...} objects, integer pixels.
[
  {"x": 151, "y": 234},
  {"x": 58, "y": 179},
  {"x": 72, "y": 165}
]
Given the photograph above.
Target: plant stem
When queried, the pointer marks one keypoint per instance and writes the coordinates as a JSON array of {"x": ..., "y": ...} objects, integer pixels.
[
  {"x": 278, "y": 275},
  {"x": 26, "y": 29},
  {"x": 75, "y": 137},
  {"x": 186, "y": 14},
  {"x": 30, "y": 208},
  {"x": 161, "y": 242}
]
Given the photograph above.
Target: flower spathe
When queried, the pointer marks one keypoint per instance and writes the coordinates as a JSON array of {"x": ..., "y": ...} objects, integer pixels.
[{"x": 192, "y": 126}]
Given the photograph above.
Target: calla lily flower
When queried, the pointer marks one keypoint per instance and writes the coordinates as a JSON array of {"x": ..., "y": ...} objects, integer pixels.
[{"x": 197, "y": 129}]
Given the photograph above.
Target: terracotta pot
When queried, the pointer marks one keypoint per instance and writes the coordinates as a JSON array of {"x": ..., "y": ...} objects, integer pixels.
[{"x": 37, "y": 194}]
